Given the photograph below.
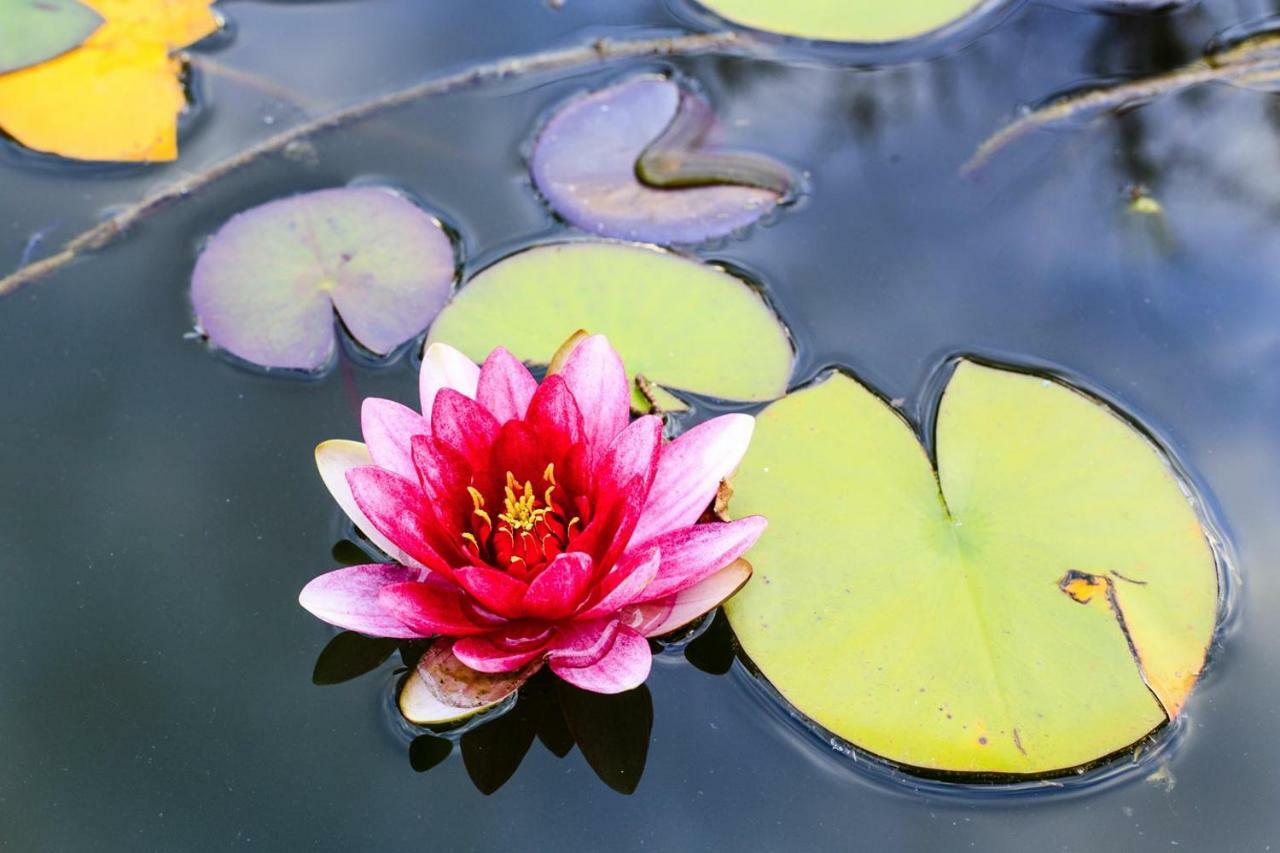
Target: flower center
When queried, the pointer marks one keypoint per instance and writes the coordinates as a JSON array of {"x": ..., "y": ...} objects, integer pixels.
[
  {"x": 530, "y": 531},
  {"x": 523, "y": 512}
]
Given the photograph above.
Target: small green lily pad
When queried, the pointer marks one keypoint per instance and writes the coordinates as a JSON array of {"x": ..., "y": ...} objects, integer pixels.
[
  {"x": 682, "y": 324},
  {"x": 1043, "y": 599},
  {"x": 869, "y": 21},
  {"x": 34, "y": 31}
]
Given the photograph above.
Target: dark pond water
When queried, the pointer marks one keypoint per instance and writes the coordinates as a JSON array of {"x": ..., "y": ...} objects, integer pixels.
[{"x": 160, "y": 510}]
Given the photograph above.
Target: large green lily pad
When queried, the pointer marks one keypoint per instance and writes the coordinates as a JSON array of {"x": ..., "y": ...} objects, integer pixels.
[
  {"x": 33, "y": 31},
  {"x": 867, "y": 21},
  {"x": 1043, "y": 599},
  {"x": 679, "y": 323}
]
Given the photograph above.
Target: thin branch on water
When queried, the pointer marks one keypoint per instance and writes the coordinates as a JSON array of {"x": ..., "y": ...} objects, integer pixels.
[
  {"x": 599, "y": 52},
  {"x": 1252, "y": 62}
]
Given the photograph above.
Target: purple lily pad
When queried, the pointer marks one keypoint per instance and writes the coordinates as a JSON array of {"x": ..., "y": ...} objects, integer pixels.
[
  {"x": 585, "y": 159},
  {"x": 267, "y": 284}
]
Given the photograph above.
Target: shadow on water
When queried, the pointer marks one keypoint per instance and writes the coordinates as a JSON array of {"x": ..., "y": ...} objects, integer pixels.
[{"x": 611, "y": 731}]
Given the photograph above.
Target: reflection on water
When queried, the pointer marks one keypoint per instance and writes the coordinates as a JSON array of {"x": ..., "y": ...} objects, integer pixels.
[
  {"x": 611, "y": 731},
  {"x": 162, "y": 511}
]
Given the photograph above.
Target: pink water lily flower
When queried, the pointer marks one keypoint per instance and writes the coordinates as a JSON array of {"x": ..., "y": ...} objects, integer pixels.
[{"x": 533, "y": 523}]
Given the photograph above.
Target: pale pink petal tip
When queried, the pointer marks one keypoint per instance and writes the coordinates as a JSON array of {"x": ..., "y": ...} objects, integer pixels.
[
  {"x": 625, "y": 666},
  {"x": 595, "y": 374},
  {"x": 445, "y": 367},
  {"x": 388, "y": 430},
  {"x": 334, "y": 459},
  {"x": 690, "y": 471},
  {"x": 655, "y": 618},
  {"x": 348, "y": 598}
]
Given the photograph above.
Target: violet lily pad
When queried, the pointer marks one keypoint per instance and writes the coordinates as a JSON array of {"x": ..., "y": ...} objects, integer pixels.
[
  {"x": 266, "y": 286},
  {"x": 34, "y": 31},
  {"x": 585, "y": 164},
  {"x": 677, "y": 322}
]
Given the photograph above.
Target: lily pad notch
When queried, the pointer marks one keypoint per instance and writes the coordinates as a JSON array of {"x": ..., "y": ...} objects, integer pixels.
[
  {"x": 268, "y": 284},
  {"x": 1039, "y": 600}
]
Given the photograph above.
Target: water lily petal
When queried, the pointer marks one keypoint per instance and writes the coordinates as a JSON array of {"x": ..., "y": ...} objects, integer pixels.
[
  {"x": 433, "y": 607},
  {"x": 655, "y": 618},
  {"x": 598, "y": 380},
  {"x": 348, "y": 598},
  {"x": 582, "y": 643},
  {"x": 506, "y": 386},
  {"x": 695, "y": 553},
  {"x": 496, "y": 590},
  {"x": 392, "y": 504},
  {"x": 560, "y": 587},
  {"x": 445, "y": 367},
  {"x": 444, "y": 476},
  {"x": 626, "y": 665},
  {"x": 388, "y": 429},
  {"x": 690, "y": 471},
  {"x": 334, "y": 459},
  {"x": 554, "y": 415},
  {"x": 625, "y": 584},
  {"x": 464, "y": 425},
  {"x": 504, "y": 649}
]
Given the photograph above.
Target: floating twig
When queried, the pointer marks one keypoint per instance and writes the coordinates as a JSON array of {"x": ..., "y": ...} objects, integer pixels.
[
  {"x": 598, "y": 52},
  {"x": 1253, "y": 61}
]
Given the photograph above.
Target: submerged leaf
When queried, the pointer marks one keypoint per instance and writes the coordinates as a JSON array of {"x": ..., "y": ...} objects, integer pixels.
[
  {"x": 33, "y": 31},
  {"x": 840, "y": 20},
  {"x": 682, "y": 324},
  {"x": 1043, "y": 600},
  {"x": 441, "y": 689},
  {"x": 266, "y": 286},
  {"x": 117, "y": 96},
  {"x": 585, "y": 163}
]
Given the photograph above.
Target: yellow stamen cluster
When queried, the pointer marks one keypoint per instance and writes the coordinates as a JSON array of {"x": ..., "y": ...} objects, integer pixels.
[{"x": 523, "y": 512}]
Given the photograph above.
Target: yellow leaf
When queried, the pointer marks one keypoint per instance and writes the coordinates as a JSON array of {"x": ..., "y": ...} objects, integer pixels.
[{"x": 117, "y": 96}]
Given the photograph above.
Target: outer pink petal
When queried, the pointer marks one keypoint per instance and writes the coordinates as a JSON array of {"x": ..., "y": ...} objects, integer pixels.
[
  {"x": 598, "y": 380},
  {"x": 433, "y": 607},
  {"x": 388, "y": 429},
  {"x": 334, "y": 459},
  {"x": 634, "y": 452},
  {"x": 655, "y": 618},
  {"x": 498, "y": 591},
  {"x": 506, "y": 386},
  {"x": 625, "y": 584},
  {"x": 582, "y": 643},
  {"x": 695, "y": 553},
  {"x": 690, "y": 471},
  {"x": 503, "y": 650},
  {"x": 348, "y": 598},
  {"x": 393, "y": 505},
  {"x": 560, "y": 587},
  {"x": 625, "y": 666},
  {"x": 445, "y": 367}
]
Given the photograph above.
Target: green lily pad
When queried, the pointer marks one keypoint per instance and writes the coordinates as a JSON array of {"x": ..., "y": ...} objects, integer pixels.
[
  {"x": 33, "y": 31},
  {"x": 871, "y": 21},
  {"x": 1041, "y": 600},
  {"x": 679, "y": 323}
]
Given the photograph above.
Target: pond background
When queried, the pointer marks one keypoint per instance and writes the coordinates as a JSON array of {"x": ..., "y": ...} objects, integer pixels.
[{"x": 161, "y": 510}]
